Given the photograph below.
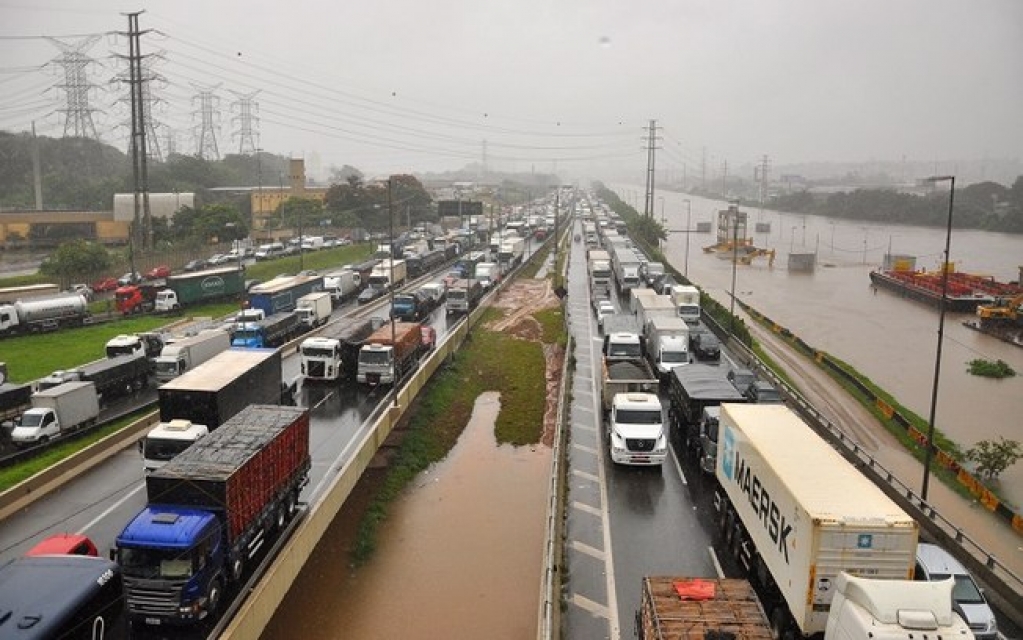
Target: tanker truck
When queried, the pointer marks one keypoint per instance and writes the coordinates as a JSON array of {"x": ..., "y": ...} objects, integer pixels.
[{"x": 43, "y": 314}]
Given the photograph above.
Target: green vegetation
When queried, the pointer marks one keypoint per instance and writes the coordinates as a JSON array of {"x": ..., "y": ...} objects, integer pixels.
[
  {"x": 553, "y": 323},
  {"x": 992, "y": 458},
  {"x": 988, "y": 369}
]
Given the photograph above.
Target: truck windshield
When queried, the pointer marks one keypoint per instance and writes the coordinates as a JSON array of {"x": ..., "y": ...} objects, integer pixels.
[
  {"x": 674, "y": 356},
  {"x": 167, "y": 366},
  {"x": 31, "y": 419},
  {"x": 127, "y": 350},
  {"x": 375, "y": 357},
  {"x": 162, "y": 449},
  {"x": 628, "y": 350},
  {"x": 317, "y": 352},
  {"x": 688, "y": 310},
  {"x": 155, "y": 563},
  {"x": 378, "y": 281},
  {"x": 638, "y": 416},
  {"x": 246, "y": 334},
  {"x": 456, "y": 294}
]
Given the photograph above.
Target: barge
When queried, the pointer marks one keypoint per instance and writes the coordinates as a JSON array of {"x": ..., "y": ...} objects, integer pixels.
[{"x": 963, "y": 294}]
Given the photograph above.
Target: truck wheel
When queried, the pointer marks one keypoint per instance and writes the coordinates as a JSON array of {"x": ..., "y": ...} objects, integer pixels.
[
  {"x": 237, "y": 569},
  {"x": 213, "y": 598},
  {"x": 281, "y": 517}
]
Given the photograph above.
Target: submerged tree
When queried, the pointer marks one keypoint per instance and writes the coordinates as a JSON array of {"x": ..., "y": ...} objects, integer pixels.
[{"x": 992, "y": 458}]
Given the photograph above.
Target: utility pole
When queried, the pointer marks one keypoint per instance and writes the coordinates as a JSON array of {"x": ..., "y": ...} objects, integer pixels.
[
  {"x": 724, "y": 179},
  {"x": 247, "y": 139},
  {"x": 703, "y": 171},
  {"x": 142, "y": 229},
  {"x": 37, "y": 175},
  {"x": 651, "y": 147},
  {"x": 206, "y": 147}
]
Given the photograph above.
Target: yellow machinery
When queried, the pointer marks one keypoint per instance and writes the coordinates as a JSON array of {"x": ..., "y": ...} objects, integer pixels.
[
  {"x": 1001, "y": 314},
  {"x": 754, "y": 252}
]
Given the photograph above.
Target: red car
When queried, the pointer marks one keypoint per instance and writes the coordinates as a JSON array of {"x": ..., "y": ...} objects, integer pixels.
[
  {"x": 65, "y": 544},
  {"x": 105, "y": 284},
  {"x": 158, "y": 272}
]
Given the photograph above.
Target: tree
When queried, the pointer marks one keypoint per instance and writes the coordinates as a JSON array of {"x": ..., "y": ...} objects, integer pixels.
[
  {"x": 300, "y": 212},
  {"x": 992, "y": 458},
  {"x": 76, "y": 259},
  {"x": 221, "y": 221}
]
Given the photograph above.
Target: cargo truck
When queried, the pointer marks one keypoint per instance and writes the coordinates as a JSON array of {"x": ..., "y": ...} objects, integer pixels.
[
  {"x": 411, "y": 307},
  {"x": 14, "y": 400},
  {"x": 488, "y": 274},
  {"x": 687, "y": 302},
  {"x": 635, "y": 430},
  {"x": 282, "y": 294},
  {"x": 333, "y": 354},
  {"x": 795, "y": 514},
  {"x": 390, "y": 353},
  {"x": 137, "y": 298},
  {"x": 43, "y": 314},
  {"x": 600, "y": 274},
  {"x": 685, "y": 608},
  {"x": 222, "y": 386},
  {"x": 511, "y": 252},
  {"x": 667, "y": 344},
  {"x": 186, "y": 354},
  {"x": 314, "y": 309},
  {"x": 626, "y": 264},
  {"x": 463, "y": 296},
  {"x": 623, "y": 368},
  {"x": 56, "y": 411},
  {"x": 168, "y": 439},
  {"x": 270, "y": 332},
  {"x": 210, "y": 512},
  {"x": 198, "y": 287},
  {"x": 655, "y": 306},
  {"x": 388, "y": 274},
  {"x": 113, "y": 377},
  {"x": 148, "y": 343},
  {"x": 691, "y": 390},
  {"x": 342, "y": 286}
]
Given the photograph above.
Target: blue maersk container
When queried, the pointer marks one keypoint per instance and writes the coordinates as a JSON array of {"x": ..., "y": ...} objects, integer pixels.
[{"x": 282, "y": 294}]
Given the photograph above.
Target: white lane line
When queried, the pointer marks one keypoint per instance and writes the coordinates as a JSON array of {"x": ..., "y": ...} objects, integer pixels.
[
  {"x": 593, "y": 552},
  {"x": 582, "y": 506},
  {"x": 589, "y": 605},
  {"x": 585, "y": 474},
  {"x": 678, "y": 466},
  {"x": 717, "y": 565},
  {"x": 584, "y": 448},
  {"x": 110, "y": 509}
]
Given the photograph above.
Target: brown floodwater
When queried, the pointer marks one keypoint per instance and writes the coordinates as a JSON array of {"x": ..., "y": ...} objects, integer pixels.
[{"x": 459, "y": 556}]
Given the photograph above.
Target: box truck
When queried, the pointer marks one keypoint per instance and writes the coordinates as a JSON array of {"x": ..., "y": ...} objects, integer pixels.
[
  {"x": 186, "y": 354},
  {"x": 198, "y": 287},
  {"x": 390, "y": 353},
  {"x": 333, "y": 354},
  {"x": 56, "y": 411}
]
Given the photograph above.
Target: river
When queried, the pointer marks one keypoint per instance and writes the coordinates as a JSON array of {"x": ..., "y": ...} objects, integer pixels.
[{"x": 891, "y": 340}]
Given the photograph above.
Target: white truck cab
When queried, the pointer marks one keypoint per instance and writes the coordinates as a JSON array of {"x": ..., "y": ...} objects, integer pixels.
[
  {"x": 636, "y": 430},
  {"x": 168, "y": 439}
]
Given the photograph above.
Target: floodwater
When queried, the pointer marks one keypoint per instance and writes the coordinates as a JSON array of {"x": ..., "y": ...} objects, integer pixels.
[
  {"x": 891, "y": 340},
  {"x": 459, "y": 556}
]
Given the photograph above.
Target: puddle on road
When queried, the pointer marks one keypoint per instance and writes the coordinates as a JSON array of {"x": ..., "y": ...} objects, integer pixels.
[{"x": 459, "y": 556}]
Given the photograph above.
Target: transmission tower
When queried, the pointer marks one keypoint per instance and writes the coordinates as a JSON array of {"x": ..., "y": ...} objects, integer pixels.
[
  {"x": 77, "y": 114},
  {"x": 209, "y": 118},
  {"x": 248, "y": 140},
  {"x": 651, "y": 147},
  {"x": 764, "y": 168}
]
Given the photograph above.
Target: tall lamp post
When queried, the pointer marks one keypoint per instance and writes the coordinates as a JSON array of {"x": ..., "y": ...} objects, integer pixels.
[
  {"x": 735, "y": 262},
  {"x": 689, "y": 230},
  {"x": 928, "y": 453}
]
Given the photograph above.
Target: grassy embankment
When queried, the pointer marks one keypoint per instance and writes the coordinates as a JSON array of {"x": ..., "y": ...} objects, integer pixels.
[{"x": 488, "y": 361}]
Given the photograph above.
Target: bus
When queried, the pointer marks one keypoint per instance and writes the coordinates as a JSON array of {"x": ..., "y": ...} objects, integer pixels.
[{"x": 73, "y": 597}]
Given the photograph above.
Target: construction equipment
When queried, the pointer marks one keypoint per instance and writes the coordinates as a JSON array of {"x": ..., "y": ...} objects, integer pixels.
[{"x": 1001, "y": 314}]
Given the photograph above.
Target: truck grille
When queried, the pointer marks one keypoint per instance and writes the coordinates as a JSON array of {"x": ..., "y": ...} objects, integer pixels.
[
  {"x": 153, "y": 598},
  {"x": 640, "y": 444},
  {"x": 316, "y": 368}
]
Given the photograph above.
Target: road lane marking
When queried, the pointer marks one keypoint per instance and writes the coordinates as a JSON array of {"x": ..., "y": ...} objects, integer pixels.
[
  {"x": 582, "y": 506},
  {"x": 595, "y": 608},
  {"x": 584, "y": 448},
  {"x": 111, "y": 509},
  {"x": 585, "y": 474},
  {"x": 717, "y": 565},
  {"x": 593, "y": 552},
  {"x": 678, "y": 466}
]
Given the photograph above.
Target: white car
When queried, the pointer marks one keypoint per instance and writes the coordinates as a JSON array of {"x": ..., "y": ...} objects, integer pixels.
[{"x": 604, "y": 309}]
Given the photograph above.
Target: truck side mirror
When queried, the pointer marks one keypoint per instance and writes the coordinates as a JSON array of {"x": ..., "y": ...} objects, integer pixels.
[{"x": 113, "y": 554}]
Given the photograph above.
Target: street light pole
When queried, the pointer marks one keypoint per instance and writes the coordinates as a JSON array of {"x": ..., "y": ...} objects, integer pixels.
[
  {"x": 928, "y": 453},
  {"x": 689, "y": 230},
  {"x": 735, "y": 262}
]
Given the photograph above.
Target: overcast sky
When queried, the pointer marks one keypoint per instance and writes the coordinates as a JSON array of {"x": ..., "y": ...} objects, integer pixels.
[{"x": 407, "y": 85}]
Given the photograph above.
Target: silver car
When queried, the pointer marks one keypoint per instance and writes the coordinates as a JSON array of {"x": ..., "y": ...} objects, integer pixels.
[{"x": 934, "y": 563}]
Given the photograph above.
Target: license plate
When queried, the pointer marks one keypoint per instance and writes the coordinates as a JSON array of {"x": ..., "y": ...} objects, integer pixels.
[{"x": 153, "y": 621}]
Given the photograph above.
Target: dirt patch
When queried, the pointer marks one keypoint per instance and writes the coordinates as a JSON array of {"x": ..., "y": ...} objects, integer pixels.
[{"x": 519, "y": 302}]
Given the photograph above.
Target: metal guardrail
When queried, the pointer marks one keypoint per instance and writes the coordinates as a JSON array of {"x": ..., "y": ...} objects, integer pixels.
[{"x": 1004, "y": 587}]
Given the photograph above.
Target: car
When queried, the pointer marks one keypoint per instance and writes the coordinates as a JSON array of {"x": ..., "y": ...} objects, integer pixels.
[
  {"x": 156, "y": 273},
  {"x": 195, "y": 265},
  {"x": 104, "y": 284},
  {"x": 290, "y": 250},
  {"x": 219, "y": 258},
  {"x": 308, "y": 272},
  {"x": 935, "y": 563},
  {"x": 706, "y": 346},
  {"x": 761, "y": 392},
  {"x": 65, "y": 544},
  {"x": 269, "y": 251},
  {"x": 82, "y": 290},
  {"x": 604, "y": 310},
  {"x": 132, "y": 277},
  {"x": 369, "y": 294},
  {"x": 740, "y": 378}
]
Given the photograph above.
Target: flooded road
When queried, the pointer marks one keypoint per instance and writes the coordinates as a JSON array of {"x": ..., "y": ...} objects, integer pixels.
[
  {"x": 891, "y": 340},
  {"x": 460, "y": 555}
]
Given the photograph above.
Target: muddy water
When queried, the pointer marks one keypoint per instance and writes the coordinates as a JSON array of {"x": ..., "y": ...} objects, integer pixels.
[
  {"x": 891, "y": 340},
  {"x": 460, "y": 555}
]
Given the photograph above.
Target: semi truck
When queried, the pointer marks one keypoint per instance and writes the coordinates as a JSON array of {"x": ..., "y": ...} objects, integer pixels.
[
  {"x": 411, "y": 307},
  {"x": 56, "y": 411},
  {"x": 463, "y": 296},
  {"x": 687, "y": 302},
  {"x": 113, "y": 377},
  {"x": 342, "y": 286},
  {"x": 137, "y": 298},
  {"x": 314, "y": 309},
  {"x": 655, "y": 306},
  {"x": 667, "y": 344},
  {"x": 185, "y": 289},
  {"x": 692, "y": 390},
  {"x": 391, "y": 352},
  {"x": 282, "y": 294},
  {"x": 24, "y": 292},
  {"x": 626, "y": 264},
  {"x": 796, "y": 526},
  {"x": 148, "y": 343},
  {"x": 43, "y": 314},
  {"x": 510, "y": 254},
  {"x": 388, "y": 274},
  {"x": 636, "y": 433},
  {"x": 677, "y": 607},
  {"x": 186, "y": 354},
  {"x": 222, "y": 386},
  {"x": 210, "y": 512},
  {"x": 272, "y": 331},
  {"x": 624, "y": 369},
  {"x": 488, "y": 274},
  {"x": 333, "y": 354}
]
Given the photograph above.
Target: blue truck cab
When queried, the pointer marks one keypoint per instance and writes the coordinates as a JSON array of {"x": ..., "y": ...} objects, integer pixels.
[
  {"x": 172, "y": 558},
  {"x": 249, "y": 335}
]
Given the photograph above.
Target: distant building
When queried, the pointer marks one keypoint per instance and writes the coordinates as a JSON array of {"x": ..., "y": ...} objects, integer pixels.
[{"x": 161, "y": 205}]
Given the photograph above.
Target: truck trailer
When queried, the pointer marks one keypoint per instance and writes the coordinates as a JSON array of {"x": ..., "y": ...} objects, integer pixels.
[
  {"x": 270, "y": 332},
  {"x": 222, "y": 386},
  {"x": 691, "y": 390},
  {"x": 390, "y": 353},
  {"x": 113, "y": 377},
  {"x": 314, "y": 309},
  {"x": 210, "y": 512},
  {"x": 186, "y": 354},
  {"x": 198, "y": 287},
  {"x": 795, "y": 514},
  {"x": 282, "y": 294},
  {"x": 43, "y": 314},
  {"x": 463, "y": 296}
]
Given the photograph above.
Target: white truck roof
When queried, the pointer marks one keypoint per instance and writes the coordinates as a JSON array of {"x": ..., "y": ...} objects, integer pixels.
[
  {"x": 894, "y": 610},
  {"x": 637, "y": 400},
  {"x": 177, "y": 429}
]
